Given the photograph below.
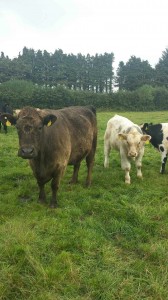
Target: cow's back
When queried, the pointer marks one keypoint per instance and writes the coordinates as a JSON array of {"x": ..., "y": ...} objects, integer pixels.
[{"x": 72, "y": 134}]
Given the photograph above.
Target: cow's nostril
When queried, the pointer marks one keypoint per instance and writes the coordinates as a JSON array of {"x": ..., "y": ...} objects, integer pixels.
[
  {"x": 27, "y": 150},
  {"x": 132, "y": 154}
]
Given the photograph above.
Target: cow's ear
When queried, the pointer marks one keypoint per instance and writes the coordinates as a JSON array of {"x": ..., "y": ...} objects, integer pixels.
[
  {"x": 8, "y": 119},
  {"x": 145, "y": 138},
  {"x": 122, "y": 136},
  {"x": 146, "y": 126},
  {"x": 49, "y": 120}
]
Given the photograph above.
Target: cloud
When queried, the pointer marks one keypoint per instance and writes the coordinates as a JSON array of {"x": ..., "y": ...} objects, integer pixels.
[{"x": 76, "y": 26}]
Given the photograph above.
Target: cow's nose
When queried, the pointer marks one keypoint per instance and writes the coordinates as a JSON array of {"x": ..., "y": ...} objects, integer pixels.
[
  {"x": 27, "y": 151},
  {"x": 132, "y": 154}
]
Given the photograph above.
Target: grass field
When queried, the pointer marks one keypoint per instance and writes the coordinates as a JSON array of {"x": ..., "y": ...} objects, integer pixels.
[{"x": 103, "y": 243}]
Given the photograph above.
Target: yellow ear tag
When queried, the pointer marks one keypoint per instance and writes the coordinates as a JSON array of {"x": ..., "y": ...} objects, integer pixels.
[
  {"x": 49, "y": 123},
  {"x": 147, "y": 142},
  {"x": 8, "y": 123}
]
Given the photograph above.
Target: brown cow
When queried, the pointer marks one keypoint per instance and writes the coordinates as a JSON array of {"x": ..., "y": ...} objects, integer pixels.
[{"x": 53, "y": 139}]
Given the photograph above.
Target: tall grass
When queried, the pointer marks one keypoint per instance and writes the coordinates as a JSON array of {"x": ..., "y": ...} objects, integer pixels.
[{"x": 102, "y": 243}]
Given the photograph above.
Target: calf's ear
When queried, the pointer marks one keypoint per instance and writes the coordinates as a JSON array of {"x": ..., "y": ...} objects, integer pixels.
[
  {"x": 49, "y": 120},
  {"x": 8, "y": 119},
  {"x": 145, "y": 138},
  {"x": 122, "y": 136}
]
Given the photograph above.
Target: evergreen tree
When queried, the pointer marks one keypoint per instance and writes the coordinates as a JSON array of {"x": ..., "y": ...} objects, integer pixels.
[
  {"x": 161, "y": 77},
  {"x": 134, "y": 74},
  {"x": 5, "y": 68}
]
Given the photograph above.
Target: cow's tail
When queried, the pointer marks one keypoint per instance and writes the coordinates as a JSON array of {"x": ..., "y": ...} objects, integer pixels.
[{"x": 92, "y": 108}]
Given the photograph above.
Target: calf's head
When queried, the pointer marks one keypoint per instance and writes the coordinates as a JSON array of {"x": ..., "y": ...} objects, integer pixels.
[
  {"x": 30, "y": 126},
  {"x": 134, "y": 142}
]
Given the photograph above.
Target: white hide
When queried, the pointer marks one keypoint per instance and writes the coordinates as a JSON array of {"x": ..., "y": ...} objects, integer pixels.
[{"x": 126, "y": 137}]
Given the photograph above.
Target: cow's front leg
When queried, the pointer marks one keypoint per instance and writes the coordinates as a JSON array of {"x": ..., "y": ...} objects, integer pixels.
[
  {"x": 126, "y": 166},
  {"x": 163, "y": 159},
  {"x": 55, "y": 182},
  {"x": 42, "y": 196},
  {"x": 138, "y": 163}
]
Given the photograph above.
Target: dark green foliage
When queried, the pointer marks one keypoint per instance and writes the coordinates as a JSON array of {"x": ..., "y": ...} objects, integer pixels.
[
  {"x": 21, "y": 93},
  {"x": 76, "y": 72},
  {"x": 84, "y": 73},
  {"x": 134, "y": 74},
  {"x": 161, "y": 77}
]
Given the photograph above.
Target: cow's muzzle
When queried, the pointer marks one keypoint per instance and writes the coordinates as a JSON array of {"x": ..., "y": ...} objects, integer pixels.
[
  {"x": 132, "y": 154},
  {"x": 26, "y": 152}
]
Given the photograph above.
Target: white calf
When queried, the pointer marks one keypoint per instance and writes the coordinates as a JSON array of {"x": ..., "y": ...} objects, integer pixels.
[{"x": 126, "y": 137}]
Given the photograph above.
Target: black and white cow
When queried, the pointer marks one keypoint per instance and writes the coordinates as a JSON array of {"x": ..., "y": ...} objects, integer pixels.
[{"x": 159, "y": 139}]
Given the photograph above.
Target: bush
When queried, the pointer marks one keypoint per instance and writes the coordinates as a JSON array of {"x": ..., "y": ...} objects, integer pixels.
[{"x": 21, "y": 93}]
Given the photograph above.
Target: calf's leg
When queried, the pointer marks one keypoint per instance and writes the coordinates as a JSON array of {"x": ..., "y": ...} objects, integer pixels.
[
  {"x": 107, "y": 149},
  {"x": 138, "y": 163},
  {"x": 126, "y": 166}
]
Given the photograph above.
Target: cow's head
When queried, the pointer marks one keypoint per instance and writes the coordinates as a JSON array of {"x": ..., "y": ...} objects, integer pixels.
[
  {"x": 134, "y": 142},
  {"x": 30, "y": 125},
  {"x": 145, "y": 127}
]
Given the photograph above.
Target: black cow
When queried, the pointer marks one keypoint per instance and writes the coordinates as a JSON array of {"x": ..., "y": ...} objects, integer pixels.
[
  {"x": 159, "y": 139},
  {"x": 5, "y": 109}
]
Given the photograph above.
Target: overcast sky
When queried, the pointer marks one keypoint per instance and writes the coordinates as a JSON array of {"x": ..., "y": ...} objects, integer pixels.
[{"x": 124, "y": 27}]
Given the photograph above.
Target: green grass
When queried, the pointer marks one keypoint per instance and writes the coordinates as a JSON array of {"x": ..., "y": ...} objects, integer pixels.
[{"x": 102, "y": 243}]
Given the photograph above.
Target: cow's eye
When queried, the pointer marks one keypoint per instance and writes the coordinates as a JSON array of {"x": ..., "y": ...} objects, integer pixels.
[{"x": 40, "y": 128}]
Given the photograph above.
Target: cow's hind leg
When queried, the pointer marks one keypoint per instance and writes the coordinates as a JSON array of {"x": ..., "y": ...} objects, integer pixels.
[
  {"x": 107, "y": 149},
  {"x": 163, "y": 158},
  {"x": 5, "y": 128},
  {"x": 74, "y": 178},
  {"x": 90, "y": 162}
]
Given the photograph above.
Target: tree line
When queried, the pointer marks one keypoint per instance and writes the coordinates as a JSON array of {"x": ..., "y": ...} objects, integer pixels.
[
  {"x": 85, "y": 73},
  {"x": 78, "y": 72},
  {"x": 136, "y": 72}
]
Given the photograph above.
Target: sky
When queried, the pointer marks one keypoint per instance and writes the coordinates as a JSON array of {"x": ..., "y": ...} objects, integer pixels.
[{"x": 123, "y": 27}]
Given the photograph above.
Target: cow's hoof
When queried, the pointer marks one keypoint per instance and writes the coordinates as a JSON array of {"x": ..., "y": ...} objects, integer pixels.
[
  {"x": 73, "y": 181},
  {"x": 106, "y": 165},
  {"x": 53, "y": 206},
  {"x": 127, "y": 182},
  {"x": 43, "y": 202}
]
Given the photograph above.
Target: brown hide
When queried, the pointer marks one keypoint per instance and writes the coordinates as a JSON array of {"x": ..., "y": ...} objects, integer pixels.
[{"x": 71, "y": 138}]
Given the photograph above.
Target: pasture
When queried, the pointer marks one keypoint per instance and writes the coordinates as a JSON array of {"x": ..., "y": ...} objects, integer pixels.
[{"x": 103, "y": 243}]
